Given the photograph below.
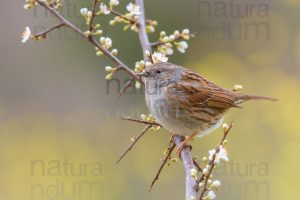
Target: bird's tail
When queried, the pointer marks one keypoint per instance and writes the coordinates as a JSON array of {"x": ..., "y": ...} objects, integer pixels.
[{"x": 244, "y": 97}]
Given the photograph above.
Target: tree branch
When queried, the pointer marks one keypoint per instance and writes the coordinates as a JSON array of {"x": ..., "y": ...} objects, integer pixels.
[
  {"x": 68, "y": 24},
  {"x": 93, "y": 15},
  {"x": 146, "y": 45},
  {"x": 164, "y": 162},
  {"x": 136, "y": 139},
  {"x": 205, "y": 177},
  {"x": 45, "y": 32},
  {"x": 141, "y": 121},
  {"x": 188, "y": 164},
  {"x": 179, "y": 37}
]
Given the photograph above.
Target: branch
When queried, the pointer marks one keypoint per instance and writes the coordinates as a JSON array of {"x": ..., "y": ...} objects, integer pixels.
[
  {"x": 68, "y": 24},
  {"x": 179, "y": 37},
  {"x": 141, "y": 121},
  {"x": 93, "y": 15},
  {"x": 188, "y": 164},
  {"x": 167, "y": 157},
  {"x": 122, "y": 16},
  {"x": 134, "y": 142},
  {"x": 146, "y": 45},
  {"x": 212, "y": 164},
  {"x": 129, "y": 20},
  {"x": 45, "y": 32},
  {"x": 127, "y": 85}
]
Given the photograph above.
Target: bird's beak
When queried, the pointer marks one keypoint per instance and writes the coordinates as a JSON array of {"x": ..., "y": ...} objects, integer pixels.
[{"x": 144, "y": 74}]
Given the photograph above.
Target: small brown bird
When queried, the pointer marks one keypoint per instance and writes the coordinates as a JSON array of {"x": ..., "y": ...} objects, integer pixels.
[{"x": 185, "y": 102}]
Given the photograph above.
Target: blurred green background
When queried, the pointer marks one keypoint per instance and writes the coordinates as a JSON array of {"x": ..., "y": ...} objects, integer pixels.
[{"x": 54, "y": 107}]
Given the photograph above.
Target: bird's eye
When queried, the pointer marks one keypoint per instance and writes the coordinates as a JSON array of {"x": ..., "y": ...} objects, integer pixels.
[{"x": 158, "y": 71}]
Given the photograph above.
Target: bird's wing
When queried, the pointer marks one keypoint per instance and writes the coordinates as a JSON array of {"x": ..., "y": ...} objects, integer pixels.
[{"x": 194, "y": 90}]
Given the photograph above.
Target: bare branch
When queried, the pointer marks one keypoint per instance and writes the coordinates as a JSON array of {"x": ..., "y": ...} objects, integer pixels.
[
  {"x": 179, "y": 37},
  {"x": 197, "y": 166},
  {"x": 167, "y": 157},
  {"x": 212, "y": 165},
  {"x": 188, "y": 164},
  {"x": 134, "y": 142},
  {"x": 127, "y": 85},
  {"x": 141, "y": 121},
  {"x": 142, "y": 29},
  {"x": 44, "y": 33},
  {"x": 68, "y": 24},
  {"x": 93, "y": 15},
  {"x": 131, "y": 21}
]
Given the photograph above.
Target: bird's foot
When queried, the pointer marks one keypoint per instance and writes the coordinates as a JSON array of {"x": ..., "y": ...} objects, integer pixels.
[{"x": 181, "y": 146}]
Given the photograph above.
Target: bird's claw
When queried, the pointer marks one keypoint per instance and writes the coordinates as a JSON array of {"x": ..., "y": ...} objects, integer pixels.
[{"x": 181, "y": 146}]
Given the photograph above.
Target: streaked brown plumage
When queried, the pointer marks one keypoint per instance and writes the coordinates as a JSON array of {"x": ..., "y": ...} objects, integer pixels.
[{"x": 185, "y": 102}]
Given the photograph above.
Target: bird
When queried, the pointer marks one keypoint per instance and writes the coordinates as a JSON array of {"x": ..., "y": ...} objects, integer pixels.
[{"x": 186, "y": 103}]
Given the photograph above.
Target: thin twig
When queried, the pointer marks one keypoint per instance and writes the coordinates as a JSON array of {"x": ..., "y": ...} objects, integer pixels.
[
  {"x": 131, "y": 21},
  {"x": 140, "y": 121},
  {"x": 45, "y": 32},
  {"x": 179, "y": 37},
  {"x": 146, "y": 45},
  {"x": 140, "y": 135},
  {"x": 106, "y": 52},
  {"x": 167, "y": 157},
  {"x": 197, "y": 166},
  {"x": 212, "y": 165},
  {"x": 127, "y": 85},
  {"x": 93, "y": 15}
]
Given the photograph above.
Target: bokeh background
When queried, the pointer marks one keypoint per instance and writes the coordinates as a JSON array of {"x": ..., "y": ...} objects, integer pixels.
[{"x": 55, "y": 108}]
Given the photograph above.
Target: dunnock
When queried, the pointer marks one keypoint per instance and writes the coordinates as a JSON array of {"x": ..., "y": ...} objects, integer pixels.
[{"x": 185, "y": 102}]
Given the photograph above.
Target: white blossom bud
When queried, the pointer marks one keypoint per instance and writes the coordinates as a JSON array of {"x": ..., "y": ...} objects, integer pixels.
[
  {"x": 87, "y": 33},
  {"x": 211, "y": 195},
  {"x": 137, "y": 85},
  {"x": 147, "y": 53},
  {"x": 225, "y": 127},
  {"x": 172, "y": 37},
  {"x": 98, "y": 32},
  {"x": 163, "y": 34},
  {"x": 143, "y": 117},
  {"x": 99, "y": 53},
  {"x": 166, "y": 39},
  {"x": 205, "y": 171},
  {"x": 216, "y": 184},
  {"x": 84, "y": 12},
  {"x": 89, "y": 14},
  {"x": 114, "y": 3},
  {"x": 186, "y": 31},
  {"x": 108, "y": 69},
  {"x": 237, "y": 87},
  {"x": 109, "y": 76},
  {"x": 176, "y": 33},
  {"x": 147, "y": 64},
  {"x": 114, "y": 52},
  {"x": 102, "y": 40}
]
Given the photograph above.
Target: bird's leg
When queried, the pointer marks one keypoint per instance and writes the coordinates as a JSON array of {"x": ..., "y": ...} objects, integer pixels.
[{"x": 184, "y": 143}]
